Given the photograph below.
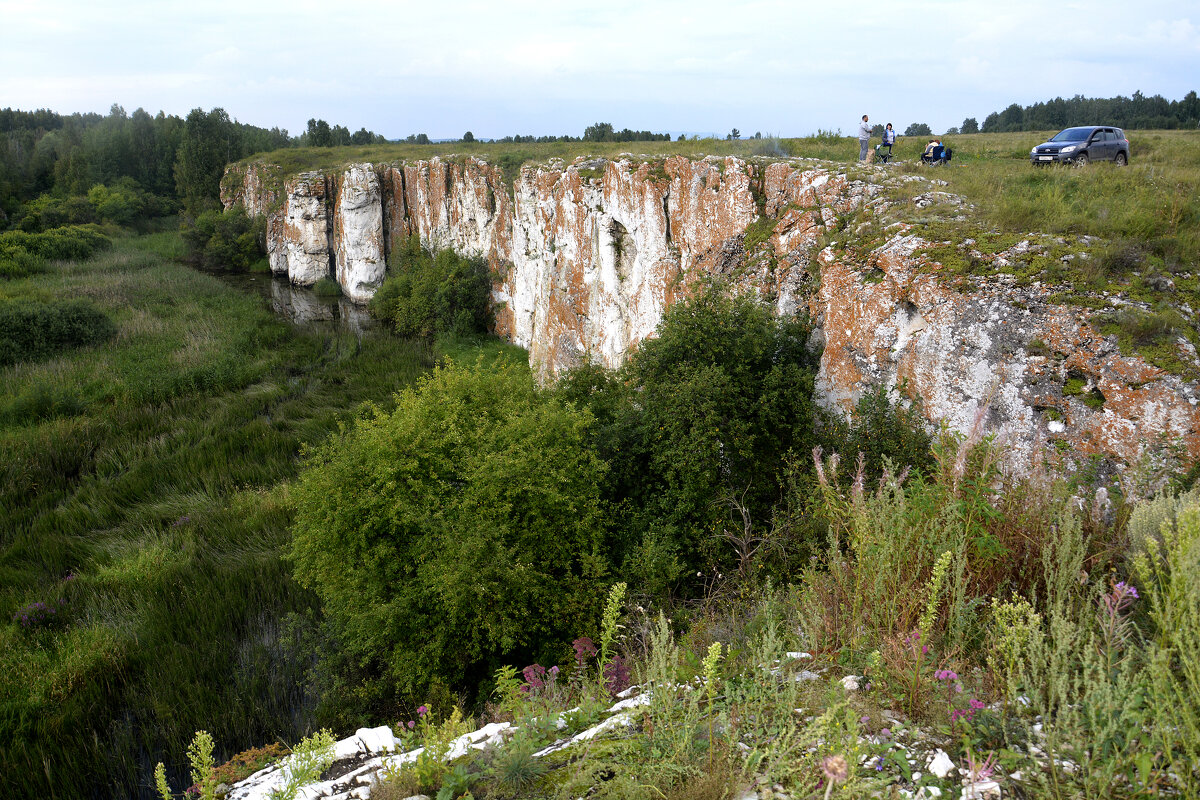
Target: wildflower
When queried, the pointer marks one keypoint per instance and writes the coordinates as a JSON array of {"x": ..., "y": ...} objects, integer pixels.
[
  {"x": 422, "y": 710},
  {"x": 411, "y": 724},
  {"x": 976, "y": 705},
  {"x": 835, "y": 768},
  {"x": 1123, "y": 588},
  {"x": 981, "y": 770},
  {"x": 863, "y": 720}
]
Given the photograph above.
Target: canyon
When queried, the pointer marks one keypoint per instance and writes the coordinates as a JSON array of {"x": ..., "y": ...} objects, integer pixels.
[{"x": 587, "y": 256}]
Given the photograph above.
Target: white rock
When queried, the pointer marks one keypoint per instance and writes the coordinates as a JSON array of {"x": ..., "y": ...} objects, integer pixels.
[
  {"x": 798, "y": 655},
  {"x": 358, "y": 234},
  {"x": 981, "y": 790},
  {"x": 850, "y": 683},
  {"x": 377, "y": 740},
  {"x": 940, "y": 764}
]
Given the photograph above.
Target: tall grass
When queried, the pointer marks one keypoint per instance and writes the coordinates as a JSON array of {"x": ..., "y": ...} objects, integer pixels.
[{"x": 143, "y": 482}]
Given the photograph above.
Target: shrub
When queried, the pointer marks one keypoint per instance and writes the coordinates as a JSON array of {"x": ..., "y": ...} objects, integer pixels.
[
  {"x": 882, "y": 431},
  {"x": 228, "y": 239},
  {"x": 695, "y": 428},
  {"x": 31, "y": 331},
  {"x": 327, "y": 287},
  {"x": 17, "y": 262},
  {"x": 73, "y": 242},
  {"x": 426, "y": 294},
  {"x": 454, "y": 534}
]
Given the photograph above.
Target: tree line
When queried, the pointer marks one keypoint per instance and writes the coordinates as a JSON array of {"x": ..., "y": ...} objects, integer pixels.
[
  {"x": 1138, "y": 112},
  {"x": 147, "y": 165}
]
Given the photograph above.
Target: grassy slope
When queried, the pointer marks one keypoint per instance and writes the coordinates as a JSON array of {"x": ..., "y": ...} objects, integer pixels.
[{"x": 141, "y": 486}]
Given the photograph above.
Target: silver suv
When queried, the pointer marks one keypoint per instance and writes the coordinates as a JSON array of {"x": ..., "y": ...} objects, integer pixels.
[{"x": 1081, "y": 145}]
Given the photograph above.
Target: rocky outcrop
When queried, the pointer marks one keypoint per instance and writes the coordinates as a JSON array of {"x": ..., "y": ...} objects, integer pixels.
[{"x": 589, "y": 255}]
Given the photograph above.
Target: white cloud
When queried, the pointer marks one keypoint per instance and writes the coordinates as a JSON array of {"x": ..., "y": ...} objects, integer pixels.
[{"x": 551, "y": 67}]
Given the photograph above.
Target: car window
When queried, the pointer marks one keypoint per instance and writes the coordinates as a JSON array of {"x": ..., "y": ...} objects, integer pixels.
[{"x": 1072, "y": 135}]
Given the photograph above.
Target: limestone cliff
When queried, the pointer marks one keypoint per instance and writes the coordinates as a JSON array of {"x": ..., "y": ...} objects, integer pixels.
[{"x": 589, "y": 255}]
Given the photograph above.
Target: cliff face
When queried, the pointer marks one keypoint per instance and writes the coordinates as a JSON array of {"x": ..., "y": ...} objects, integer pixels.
[{"x": 589, "y": 256}]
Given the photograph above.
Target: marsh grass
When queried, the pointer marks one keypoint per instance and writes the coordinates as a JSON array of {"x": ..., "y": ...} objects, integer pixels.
[{"x": 143, "y": 482}]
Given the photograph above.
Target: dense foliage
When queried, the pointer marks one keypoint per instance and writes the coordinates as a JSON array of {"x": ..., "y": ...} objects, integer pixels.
[
  {"x": 425, "y": 294},
  {"x": 696, "y": 428},
  {"x": 452, "y": 533},
  {"x": 49, "y": 162},
  {"x": 228, "y": 239},
  {"x": 31, "y": 330},
  {"x": 23, "y": 253},
  {"x": 1136, "y": 112},
  {"x": 142, "y": 591}
]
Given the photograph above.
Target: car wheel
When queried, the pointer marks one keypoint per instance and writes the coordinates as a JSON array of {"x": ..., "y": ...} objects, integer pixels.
[
  {"x": 1121, "y": 160},
  {"x": 1081, "y": 160}
]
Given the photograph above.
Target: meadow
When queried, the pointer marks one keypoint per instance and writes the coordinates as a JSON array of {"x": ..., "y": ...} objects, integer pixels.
[
  {"x": 147, "y": 481},
  {"x": 142, "y": 482}
]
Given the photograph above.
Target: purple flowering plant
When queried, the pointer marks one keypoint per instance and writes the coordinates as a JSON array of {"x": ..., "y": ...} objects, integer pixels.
[
  {"x": 1113, "y": 614},
  {"x": 40, "y": 615}
]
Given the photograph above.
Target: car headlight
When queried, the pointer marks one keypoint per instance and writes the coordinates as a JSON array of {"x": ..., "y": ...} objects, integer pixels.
[
  {"x": 1068, "y": 149},
  {"x": 1033, "y": 152}
]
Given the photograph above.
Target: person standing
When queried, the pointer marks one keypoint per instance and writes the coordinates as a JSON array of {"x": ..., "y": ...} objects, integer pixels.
[{"x": 864, "y": 138}]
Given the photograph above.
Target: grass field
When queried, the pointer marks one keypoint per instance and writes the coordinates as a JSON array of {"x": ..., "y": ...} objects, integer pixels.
[
  {"x": 143, "y": 483},
  {"x": 1154, "y": 201}
]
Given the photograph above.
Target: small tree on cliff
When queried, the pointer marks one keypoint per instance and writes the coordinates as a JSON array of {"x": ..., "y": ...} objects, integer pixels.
[{"x": 700, "y": 418}]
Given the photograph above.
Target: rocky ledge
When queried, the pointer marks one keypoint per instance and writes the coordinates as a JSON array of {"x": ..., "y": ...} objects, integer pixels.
[{"x": 588, "y": 256}]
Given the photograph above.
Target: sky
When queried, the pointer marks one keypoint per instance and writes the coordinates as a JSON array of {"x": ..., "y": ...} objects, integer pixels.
[{"x": 443, "y": 67}]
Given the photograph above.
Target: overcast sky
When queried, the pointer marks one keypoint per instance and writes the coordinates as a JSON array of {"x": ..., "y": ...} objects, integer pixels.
[{"x": 443, "y": 67}]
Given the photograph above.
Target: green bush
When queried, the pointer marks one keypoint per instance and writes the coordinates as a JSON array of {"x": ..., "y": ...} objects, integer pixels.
[
  {"x": 881, "y": 431},
  {"x": 456, "y": 534},
  {"x": 327, "y": 287},
  {"x": 428, "y": 294},
  {"x": 17, "y": 262},
  {"x": 72, "y": 242},
  {"x": 696, "y": 428},
  {"x": 31, "y": 331},
  {"x": 228, "y": 239}
]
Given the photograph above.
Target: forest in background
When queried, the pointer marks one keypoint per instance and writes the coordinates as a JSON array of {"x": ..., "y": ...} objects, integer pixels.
[{"x": 147, "y": 166}]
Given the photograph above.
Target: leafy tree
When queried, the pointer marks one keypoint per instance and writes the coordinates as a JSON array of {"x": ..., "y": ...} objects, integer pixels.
[
  {"x": 453, "y": 535},
  {"x": 698, "y": 421},
  {"x": 318, "y": 134},
  {"x": 969, "y": 125},
  {"x": 427, "y": 294},
  {"x": 918, "y": 129},
  {"x": 225, "y": 239},
  {"x": 877, "y": 130},
  {"x": 468, "y": 137},
  {"x": 951, "y": 132},
  {"x": 734, "y": 134},
  {"x": 600, "y": 132},
  {"x": 209, "y": 142}
]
